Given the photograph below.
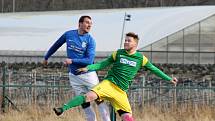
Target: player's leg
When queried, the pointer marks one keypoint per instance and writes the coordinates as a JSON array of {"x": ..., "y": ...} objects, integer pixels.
[
  {"x": 117, "y": 97},
  {"x": 127, "y": 117},
  {"x": 76, "y": 101},
  {"x": 121, "y": 104},
  {"x": 89, "y": 112},
  {"x": 79, "y": 86},
  {"x": 79, "y": 89},
  {"x": 103, "y": 110},
  {"x": 90, "y": 80}
]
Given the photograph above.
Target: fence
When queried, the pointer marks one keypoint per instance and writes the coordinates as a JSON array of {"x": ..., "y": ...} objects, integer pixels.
[{"x": 48, "y": 87}]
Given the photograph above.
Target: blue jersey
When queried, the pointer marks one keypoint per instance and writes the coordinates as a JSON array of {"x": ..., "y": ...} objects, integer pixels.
[{"x": 80, "y": 48}]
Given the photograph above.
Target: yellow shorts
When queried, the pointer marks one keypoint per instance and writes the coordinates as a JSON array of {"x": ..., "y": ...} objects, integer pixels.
[{"x": 106, "y": 90}]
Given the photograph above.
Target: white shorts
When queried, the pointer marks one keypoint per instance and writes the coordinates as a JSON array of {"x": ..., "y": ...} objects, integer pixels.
[{"x": 83, "y": 83}]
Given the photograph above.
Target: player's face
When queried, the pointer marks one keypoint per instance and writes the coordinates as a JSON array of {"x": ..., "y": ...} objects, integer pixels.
[
  {"x": 130, "y": 43},
  {"x": 86, "y": 25}
]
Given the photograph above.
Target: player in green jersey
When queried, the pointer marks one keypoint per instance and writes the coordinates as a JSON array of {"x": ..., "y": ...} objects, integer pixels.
[{"x": 126, "y": 63}]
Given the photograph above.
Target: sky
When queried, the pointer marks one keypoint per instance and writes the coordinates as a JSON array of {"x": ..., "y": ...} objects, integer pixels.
[{"x": 37, "y": 31}]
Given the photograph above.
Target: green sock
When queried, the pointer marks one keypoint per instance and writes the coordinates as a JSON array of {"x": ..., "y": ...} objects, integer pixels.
[{"x": 76, "y": 101}]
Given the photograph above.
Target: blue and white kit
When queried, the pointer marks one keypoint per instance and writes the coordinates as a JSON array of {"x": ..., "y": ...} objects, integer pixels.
[{"x": 81, "y": 49}]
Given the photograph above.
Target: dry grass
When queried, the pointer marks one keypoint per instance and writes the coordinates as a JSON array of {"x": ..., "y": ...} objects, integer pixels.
[
  {"x": 200, "y": 113},
  {"x": 41, "y": 114}
]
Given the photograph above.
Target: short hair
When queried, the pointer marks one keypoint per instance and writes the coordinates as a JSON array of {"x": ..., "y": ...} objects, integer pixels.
[
  {"x": 132, "y": 34},
  {"x": 81, "y": 19}
]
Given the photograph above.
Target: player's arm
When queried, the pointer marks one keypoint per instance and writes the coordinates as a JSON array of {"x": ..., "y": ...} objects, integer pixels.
[
  {"x": 147, "y": 64},
  {"x": 157, "y": 71},
  {"x": 100, "y": 65},
  {"x": 55, "y": 47},
  {"x": 89, "y": 56}
]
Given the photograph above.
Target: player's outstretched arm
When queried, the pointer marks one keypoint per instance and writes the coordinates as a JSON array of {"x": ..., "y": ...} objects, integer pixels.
[
  {"x": 174, "y": 81},
  {"x": 98, "y": 66},
  {"x": 159, "y": 73}
]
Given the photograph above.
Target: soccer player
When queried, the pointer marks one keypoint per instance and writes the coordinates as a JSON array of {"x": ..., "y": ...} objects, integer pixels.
[
  {"x": 80, "y": 53},
  {"x": 125, "y": 65}
]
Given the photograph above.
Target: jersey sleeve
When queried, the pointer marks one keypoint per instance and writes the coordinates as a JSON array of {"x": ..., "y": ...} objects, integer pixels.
[
  {"x": 114, "y": 55},
  {"x": 104, "y": 63},
  {"x": 147, "y": 64},
  {"x": 145, "y": 60},
  {"x": 55, "y": 46}
]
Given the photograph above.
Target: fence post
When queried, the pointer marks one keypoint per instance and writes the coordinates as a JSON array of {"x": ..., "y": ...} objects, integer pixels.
[
  {"x": 33, "y": 86},
  {"x": 112, "y": 114},
  {"x": 3, "y": 88},
  {"x": 143, "y": 89},
  {"x": 210, "y": 92},
  {"x": 160, "y": 84},
  {"x": 175, "y": 96},
  {"x": 9, "y": 89}
]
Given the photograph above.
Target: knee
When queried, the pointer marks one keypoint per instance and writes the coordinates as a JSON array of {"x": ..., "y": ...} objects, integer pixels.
[
  {"x": 127, "y": 117},
  {"x": 91, "y": 96}
]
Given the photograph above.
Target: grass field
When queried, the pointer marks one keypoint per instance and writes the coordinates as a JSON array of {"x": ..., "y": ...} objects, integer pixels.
[{"x": 200, "y": 113}]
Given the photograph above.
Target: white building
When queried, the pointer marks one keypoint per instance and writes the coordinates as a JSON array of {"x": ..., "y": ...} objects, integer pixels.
[{"x": 168, "y": 34}]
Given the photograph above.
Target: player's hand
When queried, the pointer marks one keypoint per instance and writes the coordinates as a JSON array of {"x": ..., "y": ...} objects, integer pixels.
[
  {"x": 45, "y": 62},
  {"x": 174, "y": 81},
  {"x": 68, "y": 61},
  {"x": 82, "y": 70}
]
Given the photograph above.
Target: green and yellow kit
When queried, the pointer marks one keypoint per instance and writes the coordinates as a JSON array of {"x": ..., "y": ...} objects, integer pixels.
[
  {"x": 125, "y": 67},
  {"x": 115, "y": 85}
]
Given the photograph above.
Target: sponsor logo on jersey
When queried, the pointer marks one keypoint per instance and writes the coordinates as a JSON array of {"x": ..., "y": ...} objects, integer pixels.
[
  {"x": 126, "y": 61},
  {"x": 84, "y": 44},
  {"x": 77, "y": 49}
]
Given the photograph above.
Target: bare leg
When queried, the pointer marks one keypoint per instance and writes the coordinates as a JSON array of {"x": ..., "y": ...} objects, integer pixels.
[{"x": 91, "y": 96}]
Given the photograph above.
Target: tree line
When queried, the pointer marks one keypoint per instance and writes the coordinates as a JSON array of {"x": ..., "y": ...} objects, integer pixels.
[{"x": 55, "y": 5}]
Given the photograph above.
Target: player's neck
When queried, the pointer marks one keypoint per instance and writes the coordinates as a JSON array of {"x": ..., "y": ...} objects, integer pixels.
[
  {"x": 131, "y": 52},
  {"x": 81, "y": 32}
]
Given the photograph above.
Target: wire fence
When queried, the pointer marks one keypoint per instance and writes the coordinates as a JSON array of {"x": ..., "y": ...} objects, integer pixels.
[{"x": 50, "y": 88}]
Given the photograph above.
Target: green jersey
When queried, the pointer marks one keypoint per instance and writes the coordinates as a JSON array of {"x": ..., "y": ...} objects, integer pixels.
[{"x": 125, "y": 67}]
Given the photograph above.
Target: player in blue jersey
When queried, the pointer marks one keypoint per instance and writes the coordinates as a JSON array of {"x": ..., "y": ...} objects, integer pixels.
[{"x": 80, "y": 53}]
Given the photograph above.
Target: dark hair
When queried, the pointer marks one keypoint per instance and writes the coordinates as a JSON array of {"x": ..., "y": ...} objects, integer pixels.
[
  {"x": 132, "y": 34},
  {"x": 81, "y": 19}
]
